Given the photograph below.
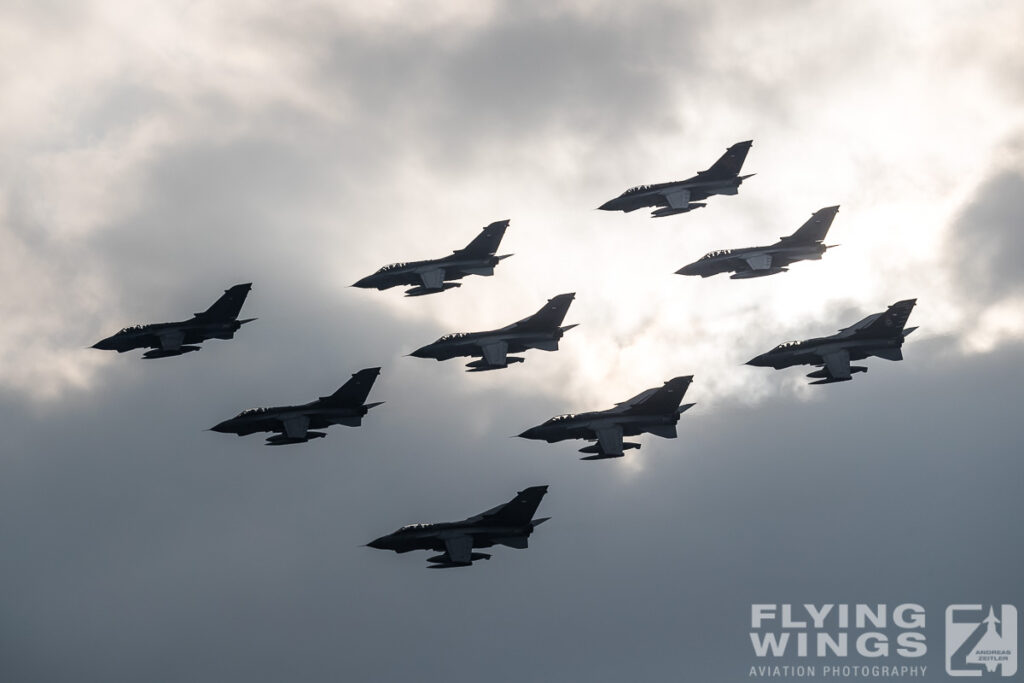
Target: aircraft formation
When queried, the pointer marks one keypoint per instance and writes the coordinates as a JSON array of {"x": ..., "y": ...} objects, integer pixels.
[{"x": 655, "y": 410}]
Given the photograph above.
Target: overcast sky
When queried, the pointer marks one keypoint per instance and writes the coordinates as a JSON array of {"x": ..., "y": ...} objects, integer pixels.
[{"x": 155, "y": 153}]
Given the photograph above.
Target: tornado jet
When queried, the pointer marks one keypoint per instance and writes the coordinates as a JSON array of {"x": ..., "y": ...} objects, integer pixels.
[
  {"x": 806, "y": 243},
  {"x": 436, "y": 275},
  {"x": 655, "y": 410},
  {"x": 293, "y": 424},
  {"x": 542, "y": 330},
  {"x": 509, "y": 524},
  {"x": 879, "y": 334},
  {"x": 680, "y": 196},
  {"x": 219, "y": 321}
]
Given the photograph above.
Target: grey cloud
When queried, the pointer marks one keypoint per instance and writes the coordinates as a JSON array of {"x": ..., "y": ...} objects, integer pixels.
[
  {"x": 985, "y": 244},
  {"x": 204, "y": 557}
]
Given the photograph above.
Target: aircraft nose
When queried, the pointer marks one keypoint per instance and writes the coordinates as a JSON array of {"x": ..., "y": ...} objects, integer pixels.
[
  {"x": 758, "y": 361},
  {"x": 688, "y": 269},
  {"x": 422, "y": 352},
  {"x": 364, "y": 282},
  {"x": 103, "y": 344},
  {"x": 222, "y": 427},
  {"x": 531, "y": 433},
  {"x": 378, "y": 543},
  {"x": 607, "y": 206}
]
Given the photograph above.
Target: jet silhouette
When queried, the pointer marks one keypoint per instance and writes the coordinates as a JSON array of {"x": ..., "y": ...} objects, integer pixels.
[
  {"x": 509, "y": 524},
  {"x": 655, "y": 410},
  {"x": 542, "y": 330},
  {"x": 806, "y": 243},
  {"x": 219, "y": 321},
  {"x": 680, "y": 196},
  {"x": 346, "y": 406},
  {"x": 435, "y": 275},
  {"x": 879, "y": 334}
]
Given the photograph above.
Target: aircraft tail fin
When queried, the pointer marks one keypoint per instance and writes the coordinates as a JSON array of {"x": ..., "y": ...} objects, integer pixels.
[
  {"x": 229, "y": 305},
  {"x": 520, "y": 510},
  {"x": 548, "y": 318},
  {"x": 487, "y": 242},
  {"x": 816, "y": 227},
  {"x": 892, "y": 322},
  {"x": 729, "y": 164},
  {"x": 354, "y": 392},
  {"x": 664, "y": 400}
]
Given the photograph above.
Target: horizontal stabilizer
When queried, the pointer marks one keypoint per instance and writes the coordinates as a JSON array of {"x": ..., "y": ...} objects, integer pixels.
[
  {"x": 894, "y": 353},
  {"x": 683, "y": 408},
  {"x": 664, "y": 431},
  {"x": 540, "y": 520},
  {"x": 907, "y": 331},
  {"x": 518, "y": 542}
]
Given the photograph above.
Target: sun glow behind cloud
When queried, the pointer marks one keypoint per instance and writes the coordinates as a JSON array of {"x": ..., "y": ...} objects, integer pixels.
[{"x": 895, "y": 124}]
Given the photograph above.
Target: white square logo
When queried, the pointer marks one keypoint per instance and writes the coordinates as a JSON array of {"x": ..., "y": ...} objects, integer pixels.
[{"x": 981, "y": 640}]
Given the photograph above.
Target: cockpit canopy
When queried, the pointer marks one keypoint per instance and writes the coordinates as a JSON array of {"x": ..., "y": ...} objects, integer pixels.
[
  {"x": 560, "y": 418},
  {"x": 414, "y": 527},
  {"x": 133, "y": 328},
  {"x": 714, "y": 254},
  {"x": 392, "y": 266},
  {"x": 638, "y": 188},
  {"x": 455, "y": 335},
  {"x": 252, "y": 411},
  {"x": 786, "y": 345}
]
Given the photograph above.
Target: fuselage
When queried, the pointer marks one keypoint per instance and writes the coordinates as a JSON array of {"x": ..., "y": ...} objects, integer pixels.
[
  {"x": 586, "y": 425},
  {"x": 811, "y": 351},
  {"x": 469, "y": 343},
  {"x": 654, "y": 195},
  {"x": 408, "y": 273},
  {"x": 432, "y": 536},
  {"x": 148, "y": 336},
  {"x": 319, "y": 414},
  {"x": 735, "y": 260}
]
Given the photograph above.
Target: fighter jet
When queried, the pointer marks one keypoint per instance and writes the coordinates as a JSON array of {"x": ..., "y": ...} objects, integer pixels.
[
  {"x": 346, "y": 406},
  {"x": 680, "y": 196},
  {"x": 432, "y": 276},
  {"x": 879, "y": 334},
  {"x": 542, "y": 330},
  {"x": 219, "y": 321},
  {"x": 509, "y": 524},
  {"x": 656, "y": 411},
  {"x": 806, "y": 243}
]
